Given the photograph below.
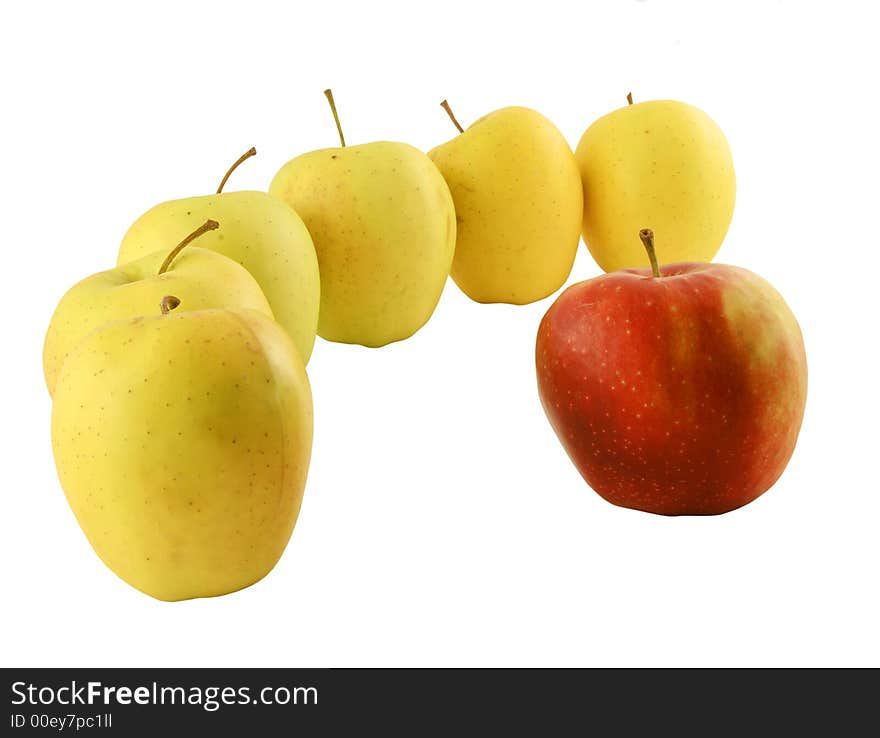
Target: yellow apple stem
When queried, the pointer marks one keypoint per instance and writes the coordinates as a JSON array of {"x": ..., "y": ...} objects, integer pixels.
[
  {"x": 208, "y": 225},
  {"x": 445, "y": 106},
  {"x": 169, "y": 302},
  {"x": 328, "y": 93},
  {"x": 629, "y": 98},
  {"x": 246, "y": 155},
  {"x": 647, "y": 236}
]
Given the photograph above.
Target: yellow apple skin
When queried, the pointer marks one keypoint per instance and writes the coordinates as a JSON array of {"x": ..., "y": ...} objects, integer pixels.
[
  {"x": 259, "y": 232},
  {"x": 182, "y": 443},
  {"x": 518, "y": 202},
  {"x": 198, "y": 277},
  {"x": 662, "y": 165},
  {"x": 383, "y": 224}
]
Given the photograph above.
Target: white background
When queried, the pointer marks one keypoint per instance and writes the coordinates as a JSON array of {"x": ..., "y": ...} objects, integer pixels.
[{"x": 442, "y": 523}]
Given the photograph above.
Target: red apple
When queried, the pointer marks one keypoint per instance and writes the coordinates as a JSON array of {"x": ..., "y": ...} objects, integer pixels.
[{"x": 679, "y": 391}]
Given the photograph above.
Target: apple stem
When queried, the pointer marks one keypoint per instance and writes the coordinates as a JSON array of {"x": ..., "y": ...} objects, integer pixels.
[
  {"x": 329, "y": 94},
  {"x": 246, "y": 155},
  {"x": 208, "y": 225},
  {"x": 629, "y": 98},
  {"x": 445, "y": 106},
  {"x": 647, "y": 236},
  {"x": 169, "y": 302}
]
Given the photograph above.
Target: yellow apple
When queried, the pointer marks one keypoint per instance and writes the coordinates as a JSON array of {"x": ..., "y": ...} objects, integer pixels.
[
  {"x": 518, "y": 202},
  {"x": 201, "y": 278},
  {"x": 259, "y": 232},
  {"x": 662, "y": 163},
  {"x": 383, "y": 224},
  {"x": 182, "y": 443}
]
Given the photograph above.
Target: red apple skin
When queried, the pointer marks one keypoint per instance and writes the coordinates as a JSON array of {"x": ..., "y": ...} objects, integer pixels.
[{"x": 677, "y": 395}]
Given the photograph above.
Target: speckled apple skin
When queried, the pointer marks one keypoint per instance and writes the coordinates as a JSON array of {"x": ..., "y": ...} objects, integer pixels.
[
  {"x": 518, "y": 206},
  {"x": 662, "y": 163},
  {"x": 182, "y": 443},
  {"x": 383, "y": 224},
  {"x": 678, "y": 395}
]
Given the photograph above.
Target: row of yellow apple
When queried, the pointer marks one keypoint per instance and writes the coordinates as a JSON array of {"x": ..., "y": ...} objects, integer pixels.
[
  {"x": 182, "y": 413},
  {"x": 375, "y": 229}
]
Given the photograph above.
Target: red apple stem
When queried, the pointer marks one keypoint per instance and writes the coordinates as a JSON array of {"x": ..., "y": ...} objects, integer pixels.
[
  {"x": 445, "y": 106},
  {"x": 246, "y": 155},
  {"x": 629, "y": 98},
  {"x": 208, "y": 225},
  {"x": 328, "y": 93},
  {"x": 169, "y": 302},
  {"x": 647, "y": 236}
]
